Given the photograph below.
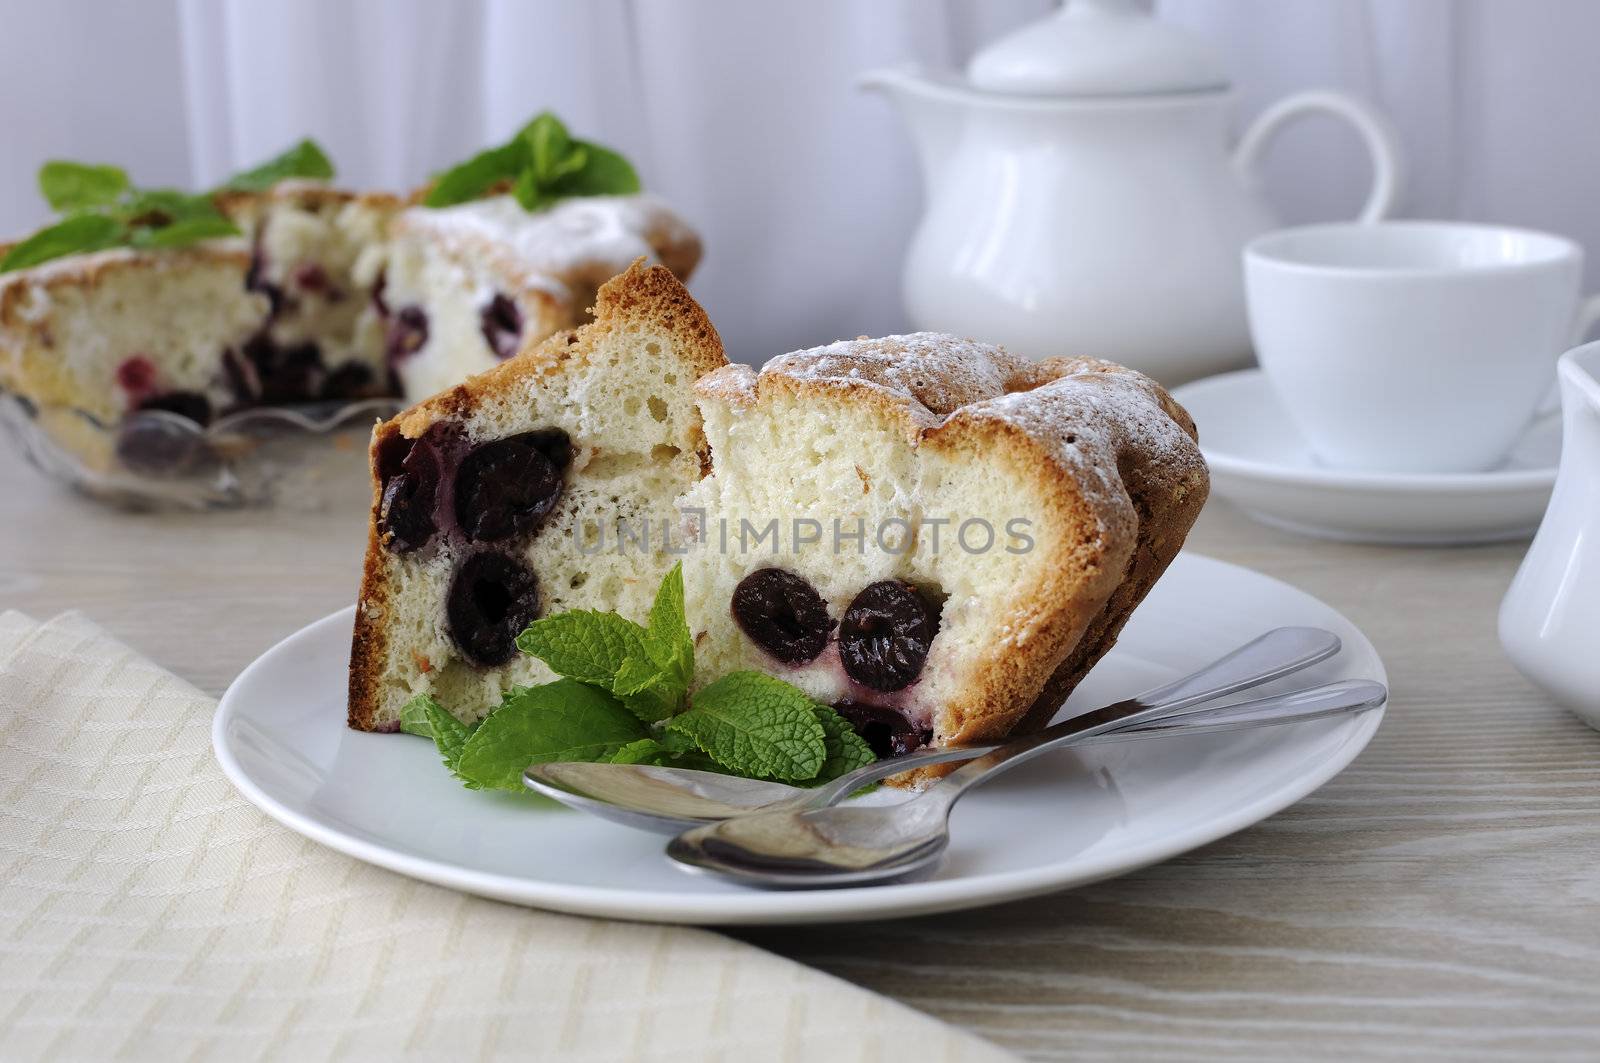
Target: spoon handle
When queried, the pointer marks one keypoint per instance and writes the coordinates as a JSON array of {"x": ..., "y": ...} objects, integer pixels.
[
  {"x": 1312, "y": 703},
  {"x": 1274, "y": 655}
]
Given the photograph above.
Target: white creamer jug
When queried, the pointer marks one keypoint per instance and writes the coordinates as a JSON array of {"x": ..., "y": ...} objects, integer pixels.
[{"x": 1550, "y": 619}]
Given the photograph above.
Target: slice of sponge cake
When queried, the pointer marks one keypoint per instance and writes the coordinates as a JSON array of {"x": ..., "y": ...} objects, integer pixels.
[
  {"x": 494, "y": 502},
  {"x": 935, "y": 537}
]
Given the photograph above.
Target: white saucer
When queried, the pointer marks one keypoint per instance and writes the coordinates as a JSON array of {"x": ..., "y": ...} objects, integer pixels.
[
  {"x": 1261, "y": 463},
  {"x": 1061, "y": 820}
]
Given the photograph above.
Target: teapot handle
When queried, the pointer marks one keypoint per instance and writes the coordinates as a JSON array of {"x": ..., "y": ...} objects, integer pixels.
[{"x": 1375, "y": 130}]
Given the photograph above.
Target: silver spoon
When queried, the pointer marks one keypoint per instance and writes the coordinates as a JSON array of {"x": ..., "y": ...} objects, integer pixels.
[
  {"x": 863, "y": 845},
  {"x": 671, "y": 800}
]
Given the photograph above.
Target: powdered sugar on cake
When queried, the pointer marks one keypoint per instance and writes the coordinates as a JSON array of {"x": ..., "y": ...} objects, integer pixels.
[
  {"x": 567, "y": 237},
  {"x": 1083, "y": 411}
]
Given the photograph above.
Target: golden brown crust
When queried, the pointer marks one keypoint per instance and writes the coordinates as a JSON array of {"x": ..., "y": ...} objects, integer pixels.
[
  {"x": 369, "y": 644},
  {"x": 640, "y": 294},
  {"x": 1020, "y": 692}
]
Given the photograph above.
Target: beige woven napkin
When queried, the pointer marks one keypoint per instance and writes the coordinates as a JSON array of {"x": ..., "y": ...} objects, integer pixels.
[{"x": 148, "y": 912}]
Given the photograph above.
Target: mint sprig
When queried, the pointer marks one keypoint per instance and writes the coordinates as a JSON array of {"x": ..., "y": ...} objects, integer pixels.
[
  {"x": 755, "y": 725},
  {"x": 622, "y": 698},
  {"x": 304, "y": 160},
  {"x": 584, "y": 645},
  {"x": 563, "y": 720},
  {"x": 648, "y": 668},
  {"x": 426, "y": 717},
  {"x": 103, "y": 209},
  {"x": 846, "y": 750},
  {"x": 71, "y": 186},
  {"x": 542, "y": 164}
]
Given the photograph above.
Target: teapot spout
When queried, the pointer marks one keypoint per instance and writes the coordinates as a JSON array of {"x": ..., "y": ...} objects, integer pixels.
[{"x": 932, "y": 111}]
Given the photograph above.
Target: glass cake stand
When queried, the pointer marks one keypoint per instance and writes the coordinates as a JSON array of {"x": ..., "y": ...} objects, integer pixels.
[{"x": 300, "y": 456}]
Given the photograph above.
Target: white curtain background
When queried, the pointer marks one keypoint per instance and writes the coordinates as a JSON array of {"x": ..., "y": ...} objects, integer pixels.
[{"x": 747, "y": 117}]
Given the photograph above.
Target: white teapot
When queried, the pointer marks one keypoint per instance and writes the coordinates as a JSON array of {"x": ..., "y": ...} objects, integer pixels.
[
  {"x": 1082, "y": 198},
  {"x": 1550, "y": 619}
]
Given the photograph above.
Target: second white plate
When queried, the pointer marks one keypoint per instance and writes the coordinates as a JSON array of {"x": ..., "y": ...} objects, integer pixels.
[
  {"x": 1261, "y": 463},
  {"x": 1062, "y": 820}
]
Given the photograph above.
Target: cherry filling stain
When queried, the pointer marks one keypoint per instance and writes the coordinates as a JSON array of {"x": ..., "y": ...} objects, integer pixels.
[
  {"x": 408, "y": 331},
  {"x": 411, "y": 472},
  {"x": 379, "y": 287},
  {"x": 501, "y": 323},
  {"x": 255, "y": 280},
  {"x": 284, "y": 373},
  {"x": 162, "y": 446},
  {"x": 418, "y": 480},
  {"x": 492, "y": 598},
  {"x": 887, "y": 732},
  {"x": 311, "y": 277},
  {"x": 350, "y": 381},
  {"x": 783, "y": 614},
  {"x": 191, "y": 404},
  {"x": 509, "y": 486},
  {"x": 136, "y": 376},
  {"x": 885, "y": 635}
]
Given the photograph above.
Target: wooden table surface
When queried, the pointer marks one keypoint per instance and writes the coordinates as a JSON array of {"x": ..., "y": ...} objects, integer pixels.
[{"x": 1441, "y": 898}]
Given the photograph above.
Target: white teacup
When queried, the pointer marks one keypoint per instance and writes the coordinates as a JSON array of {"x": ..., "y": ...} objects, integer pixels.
[{"x": 1413, "y": 346}]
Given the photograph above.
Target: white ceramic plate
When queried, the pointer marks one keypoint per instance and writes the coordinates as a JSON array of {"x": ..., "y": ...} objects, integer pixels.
[
  {"x": 1261, "y": 463},
  {"x": 1061, "y": 820}
]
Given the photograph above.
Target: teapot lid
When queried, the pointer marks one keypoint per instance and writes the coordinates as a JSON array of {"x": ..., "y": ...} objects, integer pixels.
[{"x": 1098, "y": 48}]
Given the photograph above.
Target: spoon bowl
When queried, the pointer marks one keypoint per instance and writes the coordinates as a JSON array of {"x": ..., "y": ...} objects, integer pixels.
[
  {"x": 661, "y": 799},
  {"x": 859, "y": 845}
]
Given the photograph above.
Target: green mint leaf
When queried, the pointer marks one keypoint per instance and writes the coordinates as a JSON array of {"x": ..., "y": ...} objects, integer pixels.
[
  {"x": 670, "y": 643},
  {"x": 74, "y": 185},
  {"x": 583, "y": 644},
  {"x": 676, "y": 743},
  {"x": 530, "y": 192},
  {"x": 635, "y": 675},
  {"x": 653, "y": 680},
  {"x": 647, "y": 691},
  {"x": 414, "y": 717},
  {"x": 846, "y": 750},
  {"x": 756, "y": 725},
  {"x": 474, "y": 178},
  {"x": 305, "y": 159},
  {"x": 680, "y": 751},
  {"x": 573, "y": 162},
  {"x": 563, "y": 720},
  {"x": 649, "y": 669},
  {"x": 166, "y": 217},
  {"x": 510, "y": 694},
  {"x": 75, "y": 235},
  {"x": 653, "y": 683},
  {"x": 543, "y": 163},
  {"x": 549, "y": 146},
  {"x": 183, "y": 232},
  {"x": 656, "y": 751},
  {"x": 642, "y": 751},
  {"x": 161, "y": 205},
  {"x": 449, "y": 734},
  {"x": 604, "y": 173}
]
